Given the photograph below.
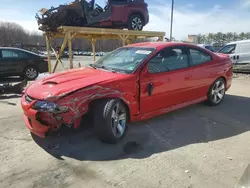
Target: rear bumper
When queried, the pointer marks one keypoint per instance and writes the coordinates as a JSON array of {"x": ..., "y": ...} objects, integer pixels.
[{"x": 43, "y": 68}]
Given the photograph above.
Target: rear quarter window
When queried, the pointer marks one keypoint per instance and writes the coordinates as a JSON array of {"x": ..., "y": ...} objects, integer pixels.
[{"x": 199, "y": 57}]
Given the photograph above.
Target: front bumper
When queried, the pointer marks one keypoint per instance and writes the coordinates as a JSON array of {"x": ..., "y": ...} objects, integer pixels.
[
  {"x": 43, "y": 123},
  {"x": 30, "y": 119}
]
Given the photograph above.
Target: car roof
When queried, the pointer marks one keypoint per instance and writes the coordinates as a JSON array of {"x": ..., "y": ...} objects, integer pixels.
[
  {"x": 204, "y": 45},
  {"x": 241, "y": 41},
  {"x": 160, "y": 45},
  {"x": 13, "y": 48}
]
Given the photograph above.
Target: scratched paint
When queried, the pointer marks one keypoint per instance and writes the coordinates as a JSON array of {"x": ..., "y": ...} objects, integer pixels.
[{"x": 78, "y": 96}]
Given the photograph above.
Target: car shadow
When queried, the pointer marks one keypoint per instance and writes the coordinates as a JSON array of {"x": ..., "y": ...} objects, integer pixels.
[{"x": 196, "y": 124}]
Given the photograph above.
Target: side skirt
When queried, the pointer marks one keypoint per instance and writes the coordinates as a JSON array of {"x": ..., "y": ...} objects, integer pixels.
[{"x": 166, "y": 110}]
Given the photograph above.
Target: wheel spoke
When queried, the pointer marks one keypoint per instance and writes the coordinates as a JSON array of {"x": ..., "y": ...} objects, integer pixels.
[
  {"x": 215, "y": 98},
  {"x": 120, "y": 128},
  {"x": 219, "y": 95},
  {"x": 122, "y": 117},
  {"x": 213, "y": 92},
  {"x": 117, "y": 109},
  {"x": 217, "y": 85},
  {"x": 113, "y": 114},
  {"x": 221, "y": 87}
]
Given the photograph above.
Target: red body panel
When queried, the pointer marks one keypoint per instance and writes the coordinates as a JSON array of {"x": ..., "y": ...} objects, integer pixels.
[
  {"x": 122, "y": 13},
  {"x": 76, "y": 89}
]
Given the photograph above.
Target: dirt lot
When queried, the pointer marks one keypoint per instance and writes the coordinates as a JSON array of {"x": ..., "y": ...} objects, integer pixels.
[{"x": 198, "y": 146}]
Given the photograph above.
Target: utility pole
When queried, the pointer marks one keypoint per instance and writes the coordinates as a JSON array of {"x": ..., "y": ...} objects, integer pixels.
[{"x": 172, "y": 16}]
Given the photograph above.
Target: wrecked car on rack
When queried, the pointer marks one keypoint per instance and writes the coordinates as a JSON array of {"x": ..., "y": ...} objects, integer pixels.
[
  {"x": 132, "y": 83},
  {"x": 131, "y": 14}
]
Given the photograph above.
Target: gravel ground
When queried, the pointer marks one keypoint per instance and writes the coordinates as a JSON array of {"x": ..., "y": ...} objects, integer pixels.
[{"x": 198, "y": 146}]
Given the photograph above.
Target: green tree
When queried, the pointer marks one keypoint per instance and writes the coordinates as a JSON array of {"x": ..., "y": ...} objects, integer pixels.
[
  {"x": 219, "y": 37},
  {"x": 210, "y": 38},
  {"x": 235, "y": 36},
  {"x": 247, "y": 35},
  {"x": 229, "y": 37},
  {"x": 242, "y": 36},
  {"x": 200, "y": 39}
]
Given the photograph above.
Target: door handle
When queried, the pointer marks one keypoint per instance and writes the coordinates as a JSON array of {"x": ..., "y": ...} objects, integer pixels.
[
  {"x": 150, "y": 89},
  {"x": 237, "y": 57}
]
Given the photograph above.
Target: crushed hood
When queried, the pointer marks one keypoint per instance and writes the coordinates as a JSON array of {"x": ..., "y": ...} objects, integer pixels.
[{"x": 61, "y": 84}]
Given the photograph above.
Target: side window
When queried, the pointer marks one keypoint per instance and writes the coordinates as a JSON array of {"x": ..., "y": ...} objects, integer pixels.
[
  {"x": 199, "y": 57},
  {"x": 168, "y": 59},
  {"x": 9, "y": 54},
  {"x": 228, "y": 49},
  {"x": 22, "y": 54}
]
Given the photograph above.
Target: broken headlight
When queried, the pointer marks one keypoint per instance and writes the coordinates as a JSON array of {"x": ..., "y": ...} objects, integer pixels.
[{"x": 44, "y": 106}]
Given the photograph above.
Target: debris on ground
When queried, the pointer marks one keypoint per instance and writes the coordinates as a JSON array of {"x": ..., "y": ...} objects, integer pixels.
[{"x": 230, "y": 158}]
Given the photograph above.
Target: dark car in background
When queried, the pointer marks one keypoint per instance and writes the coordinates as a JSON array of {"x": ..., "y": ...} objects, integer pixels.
[
  {"x": 18, "y": 62},
  {"x": 207, "y": 46}
]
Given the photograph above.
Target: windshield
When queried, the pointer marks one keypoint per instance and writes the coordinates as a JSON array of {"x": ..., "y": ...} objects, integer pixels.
[
  {"x": 228, "y": 49},
  {"x": 124, "y": 60}
]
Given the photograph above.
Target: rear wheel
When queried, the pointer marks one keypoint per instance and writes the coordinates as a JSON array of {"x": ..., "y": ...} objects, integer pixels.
[
  {"x": 135, "y": 22},
  {"x": 110, "y": 120},
  {"x": 217, "y": 92},
  {"x": 30, "y": 73}
]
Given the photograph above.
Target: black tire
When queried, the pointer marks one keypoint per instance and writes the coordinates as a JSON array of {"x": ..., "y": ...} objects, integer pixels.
[
  {"x": 105, "y": 125},
  {"x": 30, "y": 73},
  {"x": 216, "y": 91},
  {"x": 136, "y": 19}
]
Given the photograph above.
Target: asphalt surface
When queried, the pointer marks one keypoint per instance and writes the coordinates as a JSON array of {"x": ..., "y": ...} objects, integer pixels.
[{"x": 198, "y": 146}]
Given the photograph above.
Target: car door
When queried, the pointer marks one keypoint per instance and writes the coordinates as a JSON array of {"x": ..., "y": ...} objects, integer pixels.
[
  {"x": 231, "y": 50},
  {"x": 10, "y": 62},
  {"x": 164, "y": 83},
  {"x": 243, "y": 53},
  {"x": 202, "y": 69}
]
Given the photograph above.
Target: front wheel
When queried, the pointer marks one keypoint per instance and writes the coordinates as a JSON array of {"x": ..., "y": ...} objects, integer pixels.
[
  {"x": 110, "y": 120},
  {"x": 217, "y": 92}
]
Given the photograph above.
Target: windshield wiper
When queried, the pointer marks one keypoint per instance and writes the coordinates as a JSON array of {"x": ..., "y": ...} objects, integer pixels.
[
  {"x": 102, "y": 67},
  {"x": 92, "y": 65},
  {"x": 106, "y": 68}
]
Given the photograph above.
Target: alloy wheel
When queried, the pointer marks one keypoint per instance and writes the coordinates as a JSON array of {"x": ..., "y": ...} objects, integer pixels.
[
  {"x": 118, "y": 120},
  {"x": 137, "y": 24},
  {"x": 218, "y": 91},
  {"x": 31, "y": 73}
]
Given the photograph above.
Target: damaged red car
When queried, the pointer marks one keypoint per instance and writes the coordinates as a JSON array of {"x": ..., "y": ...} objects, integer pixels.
[{"x": 132, "y": 83}]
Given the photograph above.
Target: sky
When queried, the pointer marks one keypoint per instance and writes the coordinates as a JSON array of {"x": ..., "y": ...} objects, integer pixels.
[{"x": 190, "y": 16}]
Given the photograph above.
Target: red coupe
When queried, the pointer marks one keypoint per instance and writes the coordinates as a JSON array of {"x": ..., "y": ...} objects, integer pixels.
[{"x": 132, "y": 83}]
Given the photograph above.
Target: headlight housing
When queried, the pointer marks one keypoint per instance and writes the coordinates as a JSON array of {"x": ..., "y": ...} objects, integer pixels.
[{"x": 45, "y": 106}]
